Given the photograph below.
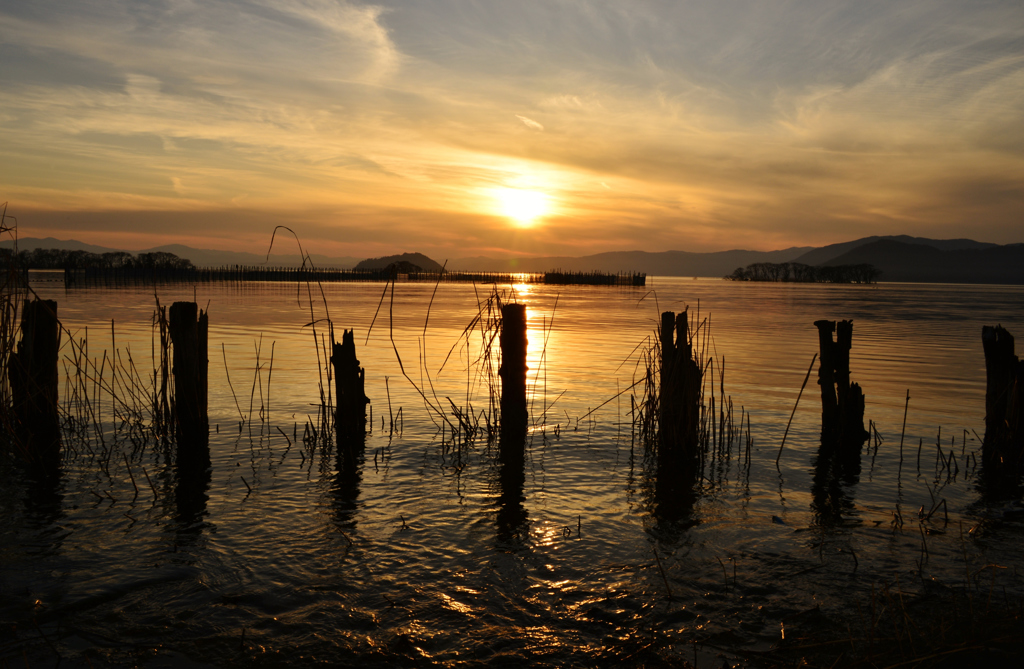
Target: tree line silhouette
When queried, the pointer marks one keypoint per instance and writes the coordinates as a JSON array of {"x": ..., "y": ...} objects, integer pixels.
[
  {"x": 800, "y": 273},
  {"x": 70, "y": 260}
]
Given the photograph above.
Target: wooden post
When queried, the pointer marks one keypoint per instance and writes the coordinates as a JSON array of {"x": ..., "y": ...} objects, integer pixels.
[
  {"x": 513, "y": 368},
  {"x": 827, "y": 379},
  {"x": 349, "y": 384},
  {"x": 844, "y": 342},
  {"x": 842, "y": 402},
  {"x": 190, "y": 368},
  {"x": 679, "y": 407},
  {"x": 679, "y": 401},
  {"x": 33, "y": 374},
  {"x": 1003, "y": 448}
]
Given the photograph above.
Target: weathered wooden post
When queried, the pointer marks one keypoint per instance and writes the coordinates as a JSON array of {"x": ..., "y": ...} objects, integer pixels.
[
  {"x": 33, "y": 374},
  {"x": 513, "y": 369},
  {"x": 679, "y": 407},
  {"x": 837, "y": 464},
  {"x": 842, "y": 402},
  {"x": 679, "y": 400},
  {"x": 1003, "y": 448},
  {"x": 827, "y": 379},
  {"x": 190, "y": 369},
  {"x": 349, "y": 384}
]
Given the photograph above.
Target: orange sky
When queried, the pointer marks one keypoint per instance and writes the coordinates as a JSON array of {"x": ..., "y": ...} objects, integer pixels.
[{"x": 551, "y": 128}]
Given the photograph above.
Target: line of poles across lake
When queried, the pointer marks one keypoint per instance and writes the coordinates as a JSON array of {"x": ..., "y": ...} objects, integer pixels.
[{"x": 103, "y": 276}]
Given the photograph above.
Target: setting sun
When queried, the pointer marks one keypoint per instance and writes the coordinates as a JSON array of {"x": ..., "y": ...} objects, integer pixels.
[{"x": 523, "y": 206}]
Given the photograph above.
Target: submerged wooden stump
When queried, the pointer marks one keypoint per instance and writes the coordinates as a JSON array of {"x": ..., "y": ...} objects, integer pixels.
[
  {"x": 188, "y": 328},
  {"x": 33, "y": 375},
  {"x": 679, "y": 390},
  {"x": 842, "y": 402},
  {"x": 349, "y": 384},
  {"x": 513, "y": 370},
  {"x": 679, "y": 408},
  {"x": 1003, "y": 447}
]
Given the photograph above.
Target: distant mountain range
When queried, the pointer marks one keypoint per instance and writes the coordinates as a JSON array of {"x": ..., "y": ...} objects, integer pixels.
[
  {"x": 199, "y": 257},
  {"x": 919, "y": 262},
  {"x": 664, "y": 263},
  {"x": 899, "y": 257},
  {"x": 825, "y": 254}
]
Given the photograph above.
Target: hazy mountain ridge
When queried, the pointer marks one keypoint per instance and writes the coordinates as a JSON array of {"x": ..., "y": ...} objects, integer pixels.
[
  {"x": 824, "y": 254},
  {"x": 914, "y": 262},
  {"x": 899, "y": 257},
  {"x": 663, "y": 263},
  {"x": 199, "y": 257}
]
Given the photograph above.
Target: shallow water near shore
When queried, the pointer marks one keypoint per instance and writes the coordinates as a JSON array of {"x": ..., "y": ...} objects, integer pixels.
[{"x": 429, "y": 555}]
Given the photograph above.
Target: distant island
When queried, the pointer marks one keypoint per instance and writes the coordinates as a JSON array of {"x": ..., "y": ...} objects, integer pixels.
[
  {"x": 794, "y": 272},
  {"x": 403, "y": 264}
]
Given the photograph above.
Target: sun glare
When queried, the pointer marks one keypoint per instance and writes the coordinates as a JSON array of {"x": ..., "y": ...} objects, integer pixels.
[{"x": 523, "y": 206}]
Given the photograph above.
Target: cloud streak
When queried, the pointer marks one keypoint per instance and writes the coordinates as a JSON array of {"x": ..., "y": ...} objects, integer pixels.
[{"x": 530, "y": 123}]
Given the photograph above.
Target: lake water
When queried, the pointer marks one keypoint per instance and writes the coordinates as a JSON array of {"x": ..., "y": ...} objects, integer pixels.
[{"x": 425, "y": 556}]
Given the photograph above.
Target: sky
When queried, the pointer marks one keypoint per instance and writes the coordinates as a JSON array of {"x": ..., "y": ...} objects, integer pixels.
[{"x": 558, "y": 127}]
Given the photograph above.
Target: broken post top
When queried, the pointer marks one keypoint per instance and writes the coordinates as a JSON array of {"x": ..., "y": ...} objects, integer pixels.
[
  {"x": 996, "y": 336},
  {"x": 184, "y": 312},
  {"x": 39, "y": 322},
  {"x": 345, "y": 353},
  {"x": 513, "y": 314},
  {"x": 841, "y": 327},
  {"x": 843, "y": 341},
  {"x": 844, "y": 334},
  {"x": 50, "y": 305},
  {"x": 677, "y": 324}
]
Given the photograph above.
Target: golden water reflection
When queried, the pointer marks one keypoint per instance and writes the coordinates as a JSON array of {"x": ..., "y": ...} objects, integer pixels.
[{"x": 407, "y": 522}]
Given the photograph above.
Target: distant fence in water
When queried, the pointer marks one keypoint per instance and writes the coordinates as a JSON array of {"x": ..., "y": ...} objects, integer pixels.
[{"x": 238, "y": 273}]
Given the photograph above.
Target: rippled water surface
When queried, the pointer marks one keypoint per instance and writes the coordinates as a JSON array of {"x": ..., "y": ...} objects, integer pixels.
[{"x": 426, "y": 554}]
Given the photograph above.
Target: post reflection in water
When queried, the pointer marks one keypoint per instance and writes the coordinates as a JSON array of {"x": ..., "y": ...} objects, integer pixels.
[
  {"x": 675, "y": 492},
  {"x": 191, "y": 491},
  {"x": 345, "y": 490},
  {"x": 835, "y": 474},
  {"x": 512, "y": 519},
  {"x": 44, "y": 501}
]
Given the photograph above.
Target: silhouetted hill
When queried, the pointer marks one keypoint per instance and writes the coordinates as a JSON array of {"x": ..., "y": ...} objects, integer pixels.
[
  {"x": 417, "y": 259},
  {"x": 902, "y": 261},
  {"x": 199, "y": 257},
  {"x": 33, "y": 243},
  {"x": 214, "y": 258},
  {"x": 665, "y": 263},
  {"x": 824, "y": 254}
]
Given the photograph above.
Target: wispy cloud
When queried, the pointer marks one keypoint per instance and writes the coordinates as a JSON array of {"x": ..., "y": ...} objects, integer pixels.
[{"x": 530, "y": 123}]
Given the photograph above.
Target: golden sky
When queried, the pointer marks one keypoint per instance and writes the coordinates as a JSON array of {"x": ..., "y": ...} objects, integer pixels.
[{"x": 460, "y": 128}]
